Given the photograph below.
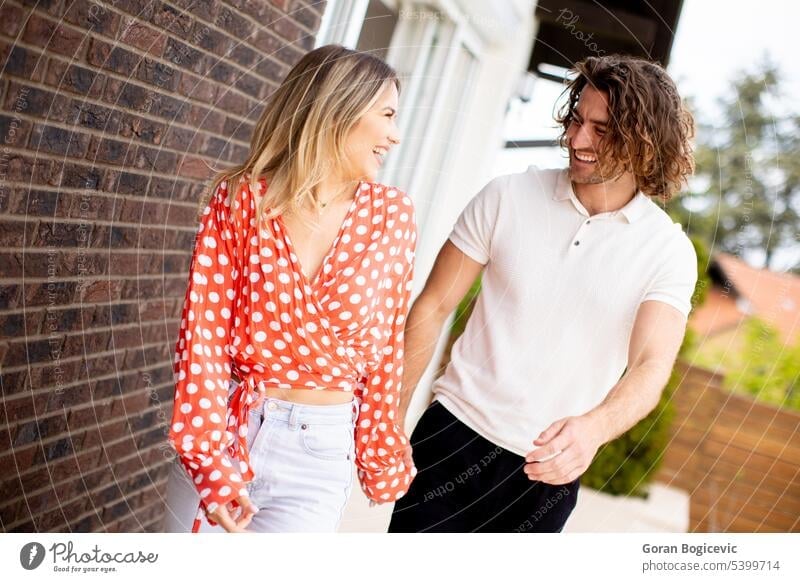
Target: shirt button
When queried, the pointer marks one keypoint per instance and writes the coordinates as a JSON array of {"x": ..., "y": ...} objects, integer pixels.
[
  {"x": 577, "y": 242},
  {"x": 588, "y": 222}
]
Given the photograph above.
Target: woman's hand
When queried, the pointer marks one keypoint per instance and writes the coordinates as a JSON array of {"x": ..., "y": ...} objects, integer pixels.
[
  {"x": 408, "y": 459},
  {"x": 400, "y": 421},
  {"x": 235, "y": 520}
]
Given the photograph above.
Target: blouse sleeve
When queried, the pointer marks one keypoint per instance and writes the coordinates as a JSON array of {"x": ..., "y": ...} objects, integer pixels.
[
  {"x": 380, "y": 441},
  {"x": 202, "y": 366}
]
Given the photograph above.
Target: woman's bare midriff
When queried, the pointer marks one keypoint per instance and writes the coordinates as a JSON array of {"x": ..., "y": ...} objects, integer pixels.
[{"x": 304, "y": 396}]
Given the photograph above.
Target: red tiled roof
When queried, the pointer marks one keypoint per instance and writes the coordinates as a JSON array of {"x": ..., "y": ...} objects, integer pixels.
[
  {"x": 772, "y": 297},
  {"x": 718, "y": 314}
]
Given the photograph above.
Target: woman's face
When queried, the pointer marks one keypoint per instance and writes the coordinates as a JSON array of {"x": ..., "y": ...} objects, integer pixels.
[{"x": 372, "y": 137}]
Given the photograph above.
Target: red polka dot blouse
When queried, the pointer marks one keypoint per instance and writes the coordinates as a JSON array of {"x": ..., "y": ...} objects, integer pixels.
[{"x": 251, "y": 312}]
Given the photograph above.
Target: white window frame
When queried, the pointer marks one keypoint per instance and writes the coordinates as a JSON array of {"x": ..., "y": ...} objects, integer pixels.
[
  {"x": 342, "y": 22},
  {"x": 419, "y": 33},
  {"x": 411, "y": 52}
]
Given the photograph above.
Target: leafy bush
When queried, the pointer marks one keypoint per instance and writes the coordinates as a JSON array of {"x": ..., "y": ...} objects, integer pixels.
[
  {"x": 626, "y": 465},
  {"x": 765, "y": 368}
]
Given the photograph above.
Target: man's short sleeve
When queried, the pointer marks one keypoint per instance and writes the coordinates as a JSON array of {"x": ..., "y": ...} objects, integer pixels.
[
  {"x": 473, "y": 230},
  {"x": 675, "y": 282}
]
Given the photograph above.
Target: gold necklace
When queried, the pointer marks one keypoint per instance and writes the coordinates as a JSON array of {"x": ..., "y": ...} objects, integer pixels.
[{"x": 332, "y": 198}]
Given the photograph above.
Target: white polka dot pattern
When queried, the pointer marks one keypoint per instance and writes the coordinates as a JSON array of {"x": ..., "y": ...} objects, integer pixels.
[{"x": 251, "y": 310}]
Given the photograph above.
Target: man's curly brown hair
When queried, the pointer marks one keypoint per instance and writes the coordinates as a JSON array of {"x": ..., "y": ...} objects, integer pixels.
[{"x": 649, "y": 130}]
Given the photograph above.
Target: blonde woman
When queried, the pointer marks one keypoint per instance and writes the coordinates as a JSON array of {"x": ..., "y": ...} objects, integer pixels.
[{"x": 289, "y": 357}]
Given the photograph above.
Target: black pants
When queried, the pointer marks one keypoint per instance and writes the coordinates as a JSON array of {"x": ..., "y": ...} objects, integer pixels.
[{"x": 466, "y": 483}]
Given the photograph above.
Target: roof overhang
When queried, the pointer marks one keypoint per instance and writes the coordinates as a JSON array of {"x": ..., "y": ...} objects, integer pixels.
[{"x": 571, "y": 30}]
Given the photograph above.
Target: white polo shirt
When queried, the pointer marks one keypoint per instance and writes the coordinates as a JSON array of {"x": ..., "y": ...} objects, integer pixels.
[{"x": 549, "y": 333}]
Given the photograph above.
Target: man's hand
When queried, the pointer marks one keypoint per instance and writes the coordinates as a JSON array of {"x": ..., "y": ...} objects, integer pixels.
[
  {"x": 566, "y": 448},
  {"x": 655, "y": 340},
  {"x": 235, "y": 520}
]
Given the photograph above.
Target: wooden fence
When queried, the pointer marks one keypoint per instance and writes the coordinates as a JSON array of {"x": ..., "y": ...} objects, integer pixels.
[{"x": 739, "y": 459}]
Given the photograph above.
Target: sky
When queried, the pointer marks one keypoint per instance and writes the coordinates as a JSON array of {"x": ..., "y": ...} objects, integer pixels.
[{"x": 714, "y": 40}]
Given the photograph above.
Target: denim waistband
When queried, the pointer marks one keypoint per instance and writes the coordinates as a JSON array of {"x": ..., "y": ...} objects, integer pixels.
[{"x": 293, "y": 413}]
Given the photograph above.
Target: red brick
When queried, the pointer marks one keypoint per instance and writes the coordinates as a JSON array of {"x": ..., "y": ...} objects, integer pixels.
[
  {"x": 92, "y": 16},
  {"x": 54, "y": 37},
  {"x": 143, "y": 37},
  {"x": 196, "y": 88},
  {"x": 130, "y": 88},
  {"x": 75, "y": 79},
  {"x": 12, "y": 18},
  {"x": 22, "y": 62},
  {"x": 192, "y": 167}
]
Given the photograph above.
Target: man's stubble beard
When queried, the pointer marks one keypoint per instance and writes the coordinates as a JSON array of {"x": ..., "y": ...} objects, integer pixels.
[
  {"x": 602, "y": 173},
  {"x": 593, "y": 178}
]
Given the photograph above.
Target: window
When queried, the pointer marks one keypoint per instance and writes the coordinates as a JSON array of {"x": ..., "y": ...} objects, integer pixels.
[
  {"x": 366, "y": 25},
  {"x": 443, "y": 136},
  {"x": 435, "y": 55},
  {"x": 341, "y": 22},
  {"x": 436, "y": 61},
  {"x": 379, "y": 24}
]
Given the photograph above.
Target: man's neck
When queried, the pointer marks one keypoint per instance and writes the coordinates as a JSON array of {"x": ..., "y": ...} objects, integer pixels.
[{"x": 604, "y": 197}]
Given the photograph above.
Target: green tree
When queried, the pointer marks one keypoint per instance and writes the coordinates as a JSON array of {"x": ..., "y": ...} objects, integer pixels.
[
  {"x": 766, "y": 368},
  {"x": 746, "y": 196}
]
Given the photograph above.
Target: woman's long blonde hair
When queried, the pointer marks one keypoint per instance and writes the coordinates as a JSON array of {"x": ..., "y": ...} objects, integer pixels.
[{"x": 301, "y": 134}]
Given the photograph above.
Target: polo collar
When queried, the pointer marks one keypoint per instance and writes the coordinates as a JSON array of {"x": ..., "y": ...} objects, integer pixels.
[
  {"x": 636, "y": 207},
  {"x": 632, "y": 211}
]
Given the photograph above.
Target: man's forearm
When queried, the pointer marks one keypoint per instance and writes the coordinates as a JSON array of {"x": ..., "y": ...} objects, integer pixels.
[
  {"x": 633, "y": 397},
  {"x": 422, "y": 332}
]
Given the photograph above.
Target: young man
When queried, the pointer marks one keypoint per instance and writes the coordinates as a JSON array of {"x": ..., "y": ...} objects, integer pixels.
[{"x": 584, "y": 278}]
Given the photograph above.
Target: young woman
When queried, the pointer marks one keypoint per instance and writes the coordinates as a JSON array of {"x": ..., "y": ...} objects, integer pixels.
[{"x": 289, "y": 358}]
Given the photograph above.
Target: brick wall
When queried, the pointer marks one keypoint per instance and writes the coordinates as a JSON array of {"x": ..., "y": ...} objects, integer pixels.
[
  {"x": 111, "y": 115},
  {"x": 738, "y": 459}
]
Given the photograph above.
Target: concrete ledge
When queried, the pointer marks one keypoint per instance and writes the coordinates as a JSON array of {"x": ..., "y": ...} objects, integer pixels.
[{"x": 666, "y": 510}]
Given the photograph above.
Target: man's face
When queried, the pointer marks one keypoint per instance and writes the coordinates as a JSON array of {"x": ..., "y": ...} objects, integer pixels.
[{"x": 584, "y": 138}]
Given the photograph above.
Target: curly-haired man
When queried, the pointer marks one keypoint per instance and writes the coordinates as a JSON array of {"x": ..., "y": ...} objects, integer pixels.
[{"x": 586, "y": 287}]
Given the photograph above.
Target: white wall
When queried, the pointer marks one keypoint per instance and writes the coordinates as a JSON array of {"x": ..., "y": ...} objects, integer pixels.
[{"x": 508, "y": 32}]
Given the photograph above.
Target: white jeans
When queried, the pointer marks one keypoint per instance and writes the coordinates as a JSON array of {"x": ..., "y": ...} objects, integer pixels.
[{"x": 302, "y": 456}]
